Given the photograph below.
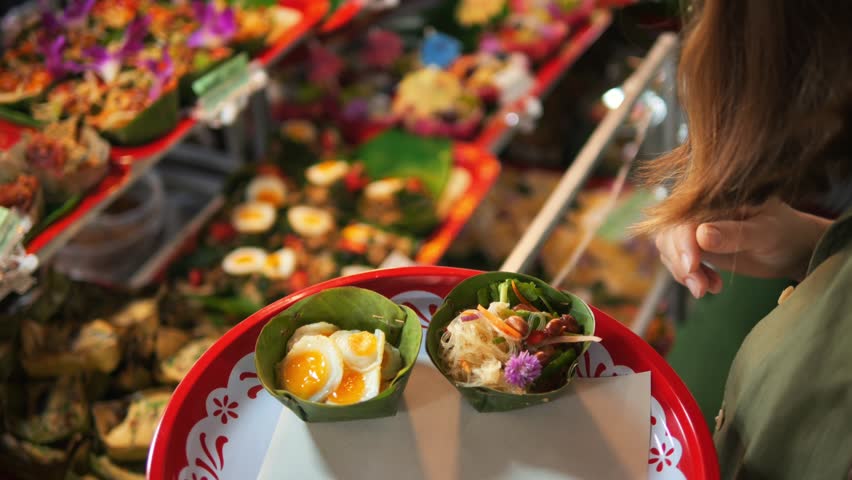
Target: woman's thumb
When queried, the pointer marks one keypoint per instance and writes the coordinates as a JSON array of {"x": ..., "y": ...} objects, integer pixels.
[{"x": 727, "y": 236}]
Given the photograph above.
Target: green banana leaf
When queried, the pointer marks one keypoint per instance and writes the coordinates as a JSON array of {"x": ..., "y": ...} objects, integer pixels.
[
  {"x": 57, "y": 212},
  {"x": 464, "y": 296},
  {"x": 11, "y": 114},
  {"x": 153, "y": 122},
  {"x": 400, "y": 154},
  {"x": 349, "y": 308}
]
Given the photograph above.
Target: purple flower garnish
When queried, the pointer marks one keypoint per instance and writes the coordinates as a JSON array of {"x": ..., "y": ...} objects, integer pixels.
[
  {"x": 383, "y": 48},
  {"x": 54, "y": 60},
  {"x": 163, "y": 70},
  {"x": 216, "y": 27},
  {"x": 522, "y": 369},
  {"x": 134, "y": 38},
  {"x": 108, "y": 62}
]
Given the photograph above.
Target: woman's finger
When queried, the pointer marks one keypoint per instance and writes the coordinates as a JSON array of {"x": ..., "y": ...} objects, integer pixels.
[
  {"x": 727, "y": 237},
  {"x": 715, "y": 285},
  {"x": 686, "y": 246}
]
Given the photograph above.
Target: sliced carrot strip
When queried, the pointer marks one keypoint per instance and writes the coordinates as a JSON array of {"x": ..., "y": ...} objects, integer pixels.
[
  {"x": 499, "y": 324},
  {"x": 523, "y": 300}
]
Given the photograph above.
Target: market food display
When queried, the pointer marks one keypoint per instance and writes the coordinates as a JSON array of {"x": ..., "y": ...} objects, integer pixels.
[
  {"x": 432, "y": 84},
  {"x": 342, "y": 354},
  {"x": 86, "y": 374},
  {"x": 287, "y": 225},
  {"x": 48, "y": 171},
  {"x": 125, "y": 68},
  {"x": 509, "y": 341}
]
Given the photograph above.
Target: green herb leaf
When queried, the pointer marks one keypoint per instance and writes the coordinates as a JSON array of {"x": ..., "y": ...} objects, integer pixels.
[{"x": 499, "y": 340}]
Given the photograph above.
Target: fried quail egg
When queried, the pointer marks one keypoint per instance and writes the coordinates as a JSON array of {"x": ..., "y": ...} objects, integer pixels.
[
  {"x": 357, "y": 233},
  {"x": 267, "y": 189},
  {"x": 310, "y": 221},
  {"x": 312, "y": 369},
  {"x": 325, "y": 173},
  {"x": 361, "y": 351},
  {"x": 383, "y": 189},
  {"x": 324, "y": 329},
  {"x": 356, "y": 386},
  {"x": 244, "y": 261},
  {"x": 391, "y": 362},
  {"x": 280, "y": 265},
  {"x": 253, "y": 217}
]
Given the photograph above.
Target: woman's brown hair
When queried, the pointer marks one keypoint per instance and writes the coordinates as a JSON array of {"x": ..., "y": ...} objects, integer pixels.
[{"x": 766, "y": 89}]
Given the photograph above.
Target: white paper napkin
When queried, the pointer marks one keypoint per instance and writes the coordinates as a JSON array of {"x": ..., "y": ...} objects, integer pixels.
[{"x": 600, "y": 430}]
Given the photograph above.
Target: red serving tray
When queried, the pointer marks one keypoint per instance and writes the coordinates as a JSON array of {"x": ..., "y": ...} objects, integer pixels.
[
  {"x": 495, "y": 128},
  {"x": 220, "y": 420}
]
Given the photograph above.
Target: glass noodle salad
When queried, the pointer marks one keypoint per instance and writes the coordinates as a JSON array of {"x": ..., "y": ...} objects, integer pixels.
[{"x": 513, "y": 341}]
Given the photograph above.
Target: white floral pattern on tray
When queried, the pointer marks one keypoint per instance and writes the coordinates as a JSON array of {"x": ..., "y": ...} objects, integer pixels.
[
  {"x": 665, "y": 450},
  {"x": 210, "y": 457}
]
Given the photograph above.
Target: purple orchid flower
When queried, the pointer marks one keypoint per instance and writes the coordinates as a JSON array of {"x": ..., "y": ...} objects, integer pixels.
[
  {"x": 216, "y": 27},
  {"x": 107, "y": 62},
  {"x": 522, "y": 369},
  {"x": 163, "y": 69},
  {"x": 54, "y": 59}
]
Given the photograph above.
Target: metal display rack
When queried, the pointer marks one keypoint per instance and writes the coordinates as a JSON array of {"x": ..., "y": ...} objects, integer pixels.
[{"x": 657, "y": 67}]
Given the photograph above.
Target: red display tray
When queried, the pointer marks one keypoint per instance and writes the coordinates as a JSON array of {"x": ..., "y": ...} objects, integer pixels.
[
  {"x": 483, "y": 169},
  {"x": 342, "y": 15},
  {"x": 117, "y": 177},
  {"x": 495, "y": 130},
  {"x": 220, "y": 420}
]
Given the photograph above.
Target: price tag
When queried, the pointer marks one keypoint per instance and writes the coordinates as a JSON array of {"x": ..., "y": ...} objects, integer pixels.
[
  {"x": 224, "y": 92},
  {"x": 232, "y": 71},
  {"x": 16, "y": 266}
]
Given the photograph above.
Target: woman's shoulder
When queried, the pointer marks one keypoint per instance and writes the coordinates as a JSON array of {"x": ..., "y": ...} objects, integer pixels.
[{"x": 788, "y": 389}]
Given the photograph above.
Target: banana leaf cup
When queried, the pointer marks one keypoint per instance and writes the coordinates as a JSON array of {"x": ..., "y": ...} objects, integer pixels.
[
  {"x": 152, "y": 123},
  {"x": 349, "y": 308},
  {"x": 480, "y": 289}
]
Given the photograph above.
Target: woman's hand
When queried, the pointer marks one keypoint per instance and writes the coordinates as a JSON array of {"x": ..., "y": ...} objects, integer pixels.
[{"x": 776, "y": 241}]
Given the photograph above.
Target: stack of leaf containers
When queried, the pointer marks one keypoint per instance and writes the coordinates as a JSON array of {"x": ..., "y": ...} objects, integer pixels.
[
  {"x": 125, "y": 69},
  {"x": 311, "y": 356}
]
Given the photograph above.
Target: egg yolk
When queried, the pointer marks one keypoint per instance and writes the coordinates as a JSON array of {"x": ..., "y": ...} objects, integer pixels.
[
  {"x": 272, "y": 261},
  {"x": 250, "y": 214},
  {"x": 351, "y": 388},
  {"x": 244, "y": 259},
  {"x": 356, "y": 233},
  {"x": 270, "y": 196},
  {"x": 304, "y": 374},
  {"x": 327, "y": 166},
  {"x": 362, "y": 343},
  {"x": 312, "y": 220}
]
